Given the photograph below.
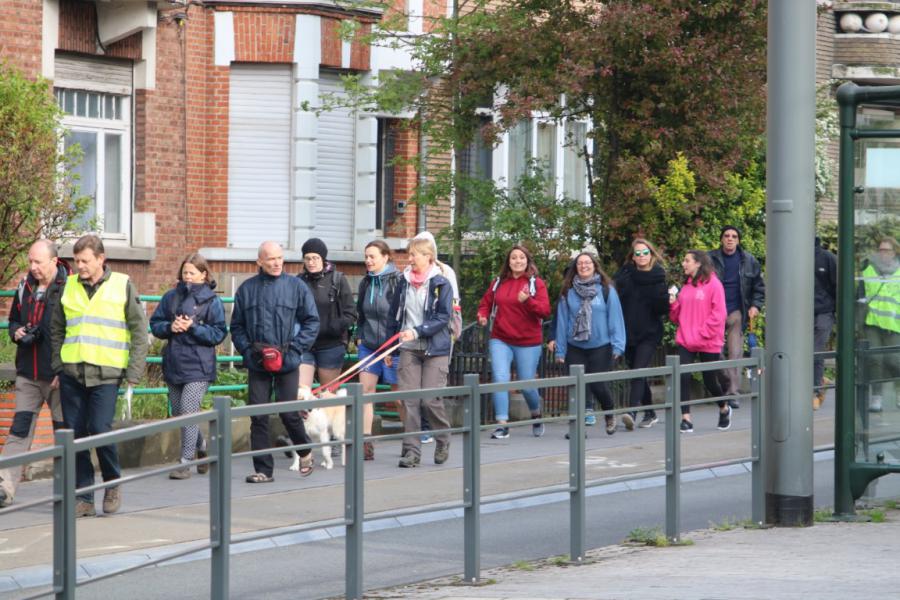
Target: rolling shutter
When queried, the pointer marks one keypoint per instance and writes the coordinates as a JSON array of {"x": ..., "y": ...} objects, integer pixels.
[
  {"x": 336, "y": 172},
  {"x": 259, "y": 155}
]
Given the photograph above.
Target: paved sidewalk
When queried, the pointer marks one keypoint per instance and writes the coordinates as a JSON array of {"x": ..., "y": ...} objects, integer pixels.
[{"x": 829, "y": 561}]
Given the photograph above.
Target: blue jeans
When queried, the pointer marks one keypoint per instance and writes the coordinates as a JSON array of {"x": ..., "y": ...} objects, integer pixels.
[
  {"x": 89, "y": 411},
  {"x": 526, "y": 359}
]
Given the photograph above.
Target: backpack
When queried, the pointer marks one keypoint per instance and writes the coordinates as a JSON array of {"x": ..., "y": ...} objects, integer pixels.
[
  {"x": 334, "y": 298},
  {"x": 456, "y": 322}
]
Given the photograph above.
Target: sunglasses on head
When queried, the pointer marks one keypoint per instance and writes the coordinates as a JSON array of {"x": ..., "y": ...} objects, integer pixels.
[{"x": 641, "y": 252}]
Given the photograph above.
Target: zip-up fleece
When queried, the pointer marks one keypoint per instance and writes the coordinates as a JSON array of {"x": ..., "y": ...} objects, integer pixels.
[
  {"x": 373, "y": 306},
  {"x": 435, "y": 327},
  {"x": 700, "y": 314}
]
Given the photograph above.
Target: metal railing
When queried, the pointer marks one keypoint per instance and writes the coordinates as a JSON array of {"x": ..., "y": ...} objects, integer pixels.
[{"x": 220, "y": 461}]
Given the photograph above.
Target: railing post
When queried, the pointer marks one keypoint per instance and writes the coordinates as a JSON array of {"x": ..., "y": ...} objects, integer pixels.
[
  {"x": 472, "y": 479},
  {"x": 673, "y": 449},
  {"x": 576, "y": 466},
  {"x": 219, "y": 444},
  {"x": 758, "y": 437},
  {"x": 64, "y": 548},
  {"x": 354, "y": 484}
]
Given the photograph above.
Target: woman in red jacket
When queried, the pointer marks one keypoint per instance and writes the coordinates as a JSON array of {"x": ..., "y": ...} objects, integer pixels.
[
  {"x": 517, "y": 302},
  {"x": 699, "y": 311}
]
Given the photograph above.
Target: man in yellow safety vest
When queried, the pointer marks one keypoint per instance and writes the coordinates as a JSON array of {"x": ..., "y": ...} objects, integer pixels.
[
  {"x": 881, "y": 282},
  {"x": 99, "y": 337}
]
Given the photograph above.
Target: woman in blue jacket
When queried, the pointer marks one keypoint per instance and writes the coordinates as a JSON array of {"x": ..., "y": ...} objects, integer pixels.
[
  {"x": 191, "y": 317},
  {"x": 590, "y": 328}
]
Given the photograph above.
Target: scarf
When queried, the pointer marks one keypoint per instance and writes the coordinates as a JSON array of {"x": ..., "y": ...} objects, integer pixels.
[
  {"x": 417, "y": 279},
  {"x": 587, "y": 291}
]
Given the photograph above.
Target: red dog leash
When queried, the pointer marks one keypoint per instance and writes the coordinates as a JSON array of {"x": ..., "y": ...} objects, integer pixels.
[{"x": 377, "y": 355}]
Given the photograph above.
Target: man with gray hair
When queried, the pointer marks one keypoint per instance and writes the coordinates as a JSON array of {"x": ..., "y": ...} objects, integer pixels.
[
  {"x": 273, "y": 323},
  {"x": 37, "y": 296}
]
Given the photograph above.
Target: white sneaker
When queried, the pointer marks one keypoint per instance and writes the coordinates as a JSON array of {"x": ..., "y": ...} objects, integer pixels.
[{"x": 875, "y": 404}]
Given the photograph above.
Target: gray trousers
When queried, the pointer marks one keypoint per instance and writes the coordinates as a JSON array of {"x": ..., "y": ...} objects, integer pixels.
[
  {"x": 883, "y": 366},
  {"x": 417, "y": 371},
  {"x": 734, "y": 348},
  {"x": 31, "y": 394},
  {"x": 822, "y": 327}
]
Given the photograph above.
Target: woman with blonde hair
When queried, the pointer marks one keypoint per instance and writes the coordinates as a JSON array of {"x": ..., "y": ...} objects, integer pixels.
[{"x": 641, "y": 285}]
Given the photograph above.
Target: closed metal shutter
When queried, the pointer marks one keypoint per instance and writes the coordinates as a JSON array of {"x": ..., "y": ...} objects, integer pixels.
[
  {"x": 336, "y": 171},
  {"x": 259, "y": 155}
]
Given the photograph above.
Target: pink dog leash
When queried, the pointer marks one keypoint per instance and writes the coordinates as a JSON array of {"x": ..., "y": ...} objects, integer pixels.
[{"x": 379, "y": 354}]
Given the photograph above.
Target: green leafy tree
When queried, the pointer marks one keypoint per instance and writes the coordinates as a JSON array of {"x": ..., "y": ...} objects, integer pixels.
[{"x": 39, "y": 192}]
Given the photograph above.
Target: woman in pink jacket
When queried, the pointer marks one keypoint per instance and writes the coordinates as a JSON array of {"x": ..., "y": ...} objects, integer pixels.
[{"x": 699, "y": 311}]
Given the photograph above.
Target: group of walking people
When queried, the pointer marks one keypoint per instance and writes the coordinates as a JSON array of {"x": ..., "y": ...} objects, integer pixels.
[{"x": 83, "y": 333}]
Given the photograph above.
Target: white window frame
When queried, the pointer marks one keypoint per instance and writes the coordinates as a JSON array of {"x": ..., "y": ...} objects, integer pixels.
[{"x": 101, "y": 127}]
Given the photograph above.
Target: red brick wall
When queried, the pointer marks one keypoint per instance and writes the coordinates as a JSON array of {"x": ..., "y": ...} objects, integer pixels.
[
  {"x": 78, "y": 32},
  {"x": 43, "y": 433},
  {"x": 264, "y": 37},
  {"x": 331, "y": 43},
  {"x": 405, "y": 179},
  {"x": 20, "y": 34}
]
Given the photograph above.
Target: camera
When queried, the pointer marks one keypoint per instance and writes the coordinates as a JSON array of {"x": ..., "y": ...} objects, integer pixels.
[{"x": 32, "y": 332}]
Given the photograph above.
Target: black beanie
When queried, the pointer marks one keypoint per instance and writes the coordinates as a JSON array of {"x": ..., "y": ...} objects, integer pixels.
[
  {"x": 315, "y": 246},
  {"x": 721, "y": 233}
]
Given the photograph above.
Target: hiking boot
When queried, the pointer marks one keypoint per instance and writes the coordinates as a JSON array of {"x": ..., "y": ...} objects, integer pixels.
[
  {"x": 112, "y": 500},
  {"x": 182, "y": 473},
  {"x": 648, "y": 421},
  {"x": 84, "y": 509},
  {"x": 501, "y": 433},
  {"x": 611, "y": 424},
  {"x": 686, "y": 426},
  {"x": 628, "y": 421},
  {"x": 368, "y": 451},
  {"x": 590, "y": 419},
  {"x": 724, "y": 419},
  {"x": 409, "y": 460},
  {"x": 441, "y": 453},
  {"x": 817, "y": 400}
]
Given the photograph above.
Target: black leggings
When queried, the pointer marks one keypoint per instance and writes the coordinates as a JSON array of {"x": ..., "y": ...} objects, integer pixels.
[
  {"x": 595, "y": 360},
  {"x": 639, "y": 357},
  {"x": 710, "y": 378}
]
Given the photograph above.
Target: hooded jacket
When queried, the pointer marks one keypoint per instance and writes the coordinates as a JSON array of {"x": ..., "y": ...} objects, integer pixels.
[
  {"x": 190, "y": 356},
  {"x": 435, "y": 327},
  {"x": 516, "y": 323},
  {"x": 33, "y": 361},
  {"x": 700, "y": 314},
  {"x": 334, "y": 303},
  {"x": 373, "y": 306},
  {"x": 644, "y": 300},
  {"x": 275, "y": 311}
]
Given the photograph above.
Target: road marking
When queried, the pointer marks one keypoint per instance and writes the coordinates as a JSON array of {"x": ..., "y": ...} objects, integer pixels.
[{"x": 34, "y": 541}]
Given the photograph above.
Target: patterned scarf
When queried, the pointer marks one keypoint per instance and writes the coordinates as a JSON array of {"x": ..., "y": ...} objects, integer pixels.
[{"x": 587, "y": 291}]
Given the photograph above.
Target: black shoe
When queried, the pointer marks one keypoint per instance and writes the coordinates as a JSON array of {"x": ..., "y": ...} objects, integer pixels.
[
  {"x": 648, "y": 421},
  {"x": 734, "y": 403},
  {"x": 725, "y": 420},
  {"x": 687, "y": 426},
  {"x": 585, "y": 435},
  {"x": 501, "y": 433}
]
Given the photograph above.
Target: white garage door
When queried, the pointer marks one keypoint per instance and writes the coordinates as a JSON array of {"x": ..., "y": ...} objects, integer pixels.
[
  {"x": 336, "y": 172},
  {"x": 259, "y": 153}
]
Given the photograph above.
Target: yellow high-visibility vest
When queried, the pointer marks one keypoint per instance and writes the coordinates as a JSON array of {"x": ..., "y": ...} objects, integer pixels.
[
  {"x": 883, "y": 298},
  {"x": 96, "y": 328}
]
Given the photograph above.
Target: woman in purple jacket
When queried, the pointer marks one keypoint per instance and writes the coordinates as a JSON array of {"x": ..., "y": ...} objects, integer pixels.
[{"x": 699, "y": 311}]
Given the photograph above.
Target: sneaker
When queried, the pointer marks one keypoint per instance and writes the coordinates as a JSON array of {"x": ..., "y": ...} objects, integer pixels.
[
  {"x": 537, "y": 430},
  {"x": 427, "y": 438},
  {"x": 408, "y": 461},
  {"x": 182, "y": 473},
  {"x": 734, "y": 403},
  {"x": 687, "y": 426},
  {"x": 628, "y": 421},
  {"x": 368, "y": 451},
  {"x": 648, "y": 421},
  {"x": 875, "y": 404},
  {"x": 724, "y": 420},
  {"x": 610, "y": 424},
  {"x": 85, "y": 509},
  {"x": 501, "y": 433},
  {"x": 590, "y": 419},
  {"x": 204, "y": 468},
  {"x": 441, "y": 453},
  {"x": 112, "y": 500}
]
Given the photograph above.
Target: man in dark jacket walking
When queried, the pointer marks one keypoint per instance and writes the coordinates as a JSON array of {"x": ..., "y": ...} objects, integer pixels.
[
  {"x": 29, "y": 327},
  {"x": 273, "y": 323},
  {"x": 824, "y": 304},
  {"x": 745, "y": 295}
]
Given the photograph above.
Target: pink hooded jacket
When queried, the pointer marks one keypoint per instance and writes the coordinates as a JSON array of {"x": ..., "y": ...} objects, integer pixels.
[{"x": 700, "y": 315}]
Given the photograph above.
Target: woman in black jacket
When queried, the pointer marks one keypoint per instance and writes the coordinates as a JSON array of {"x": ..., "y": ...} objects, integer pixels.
[
  {"x": 191, "y": 317},
  {"x": 337, "y": 313},
  {"x": 641, "y": 285}
]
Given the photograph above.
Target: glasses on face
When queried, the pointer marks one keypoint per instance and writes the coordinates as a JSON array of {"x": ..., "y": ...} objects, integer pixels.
[
  {"x": 312, "y": 258},
  {"x": 641, "y": 252}
]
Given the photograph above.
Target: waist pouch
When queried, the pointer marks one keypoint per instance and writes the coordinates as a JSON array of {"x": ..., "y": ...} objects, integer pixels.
[{"x": 270, "y": 357}]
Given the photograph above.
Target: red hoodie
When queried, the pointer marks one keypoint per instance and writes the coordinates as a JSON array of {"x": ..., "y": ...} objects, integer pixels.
[
  {"x": 700, "y": 315},
  {"x": 516, "y": 323}
]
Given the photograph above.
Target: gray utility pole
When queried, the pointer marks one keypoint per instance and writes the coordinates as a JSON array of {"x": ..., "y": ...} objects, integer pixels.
[{"x": 790, "y": 233}]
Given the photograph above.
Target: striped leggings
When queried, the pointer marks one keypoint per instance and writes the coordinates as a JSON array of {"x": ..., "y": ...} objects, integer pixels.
[{"x": 185, "y": 399}]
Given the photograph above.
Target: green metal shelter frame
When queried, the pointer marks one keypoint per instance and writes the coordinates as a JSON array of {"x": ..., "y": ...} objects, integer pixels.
[{"x": 851, "y": 476}]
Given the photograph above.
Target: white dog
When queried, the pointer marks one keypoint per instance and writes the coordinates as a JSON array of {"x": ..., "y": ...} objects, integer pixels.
[{"x": 321, "y": 424}]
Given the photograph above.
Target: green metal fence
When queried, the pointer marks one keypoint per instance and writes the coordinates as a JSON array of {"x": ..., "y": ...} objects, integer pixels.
[{"x": 471, "y": 391}]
